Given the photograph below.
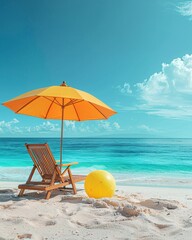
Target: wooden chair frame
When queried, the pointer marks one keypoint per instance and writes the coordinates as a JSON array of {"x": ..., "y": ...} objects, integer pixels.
[{"x": 50, "y": 171}]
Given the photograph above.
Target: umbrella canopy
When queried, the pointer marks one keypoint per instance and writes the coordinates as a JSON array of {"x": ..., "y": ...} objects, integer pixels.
[{"x": 60, "y": 103}]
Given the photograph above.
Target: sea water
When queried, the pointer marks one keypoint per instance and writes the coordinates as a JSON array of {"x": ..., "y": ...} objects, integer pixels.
[{"x": 162, "y": 162}]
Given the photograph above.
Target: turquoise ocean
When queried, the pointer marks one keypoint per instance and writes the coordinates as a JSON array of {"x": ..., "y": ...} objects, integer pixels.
[{"x": 144, "y": 162}]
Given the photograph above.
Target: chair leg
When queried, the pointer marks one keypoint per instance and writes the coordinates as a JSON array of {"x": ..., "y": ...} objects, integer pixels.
[
  {"x": 51, "y": 184},
  {"x": 21, "y": 192},
  {"x": 28, "y": 181},
  {"x": 74, "y": 187},
  {"x": 48, "y": 194},
  {"x": 72, "y": 182}
]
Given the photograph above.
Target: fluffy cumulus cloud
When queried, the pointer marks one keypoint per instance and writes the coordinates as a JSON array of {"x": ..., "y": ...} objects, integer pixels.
[
  {"x": 9, "y": 123},
  {"x": 185, "y": 9},
  {"x": 13, "y": 127},
  {"x": 125, "y": 88},
  {"x": 168, "y": 93},
  {"x": 9, "y": 126},
  {"x": 44, "y": 127}
]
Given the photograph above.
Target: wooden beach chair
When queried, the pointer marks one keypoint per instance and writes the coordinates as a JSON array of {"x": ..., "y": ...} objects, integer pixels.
[{"x": 50, "y": 171}]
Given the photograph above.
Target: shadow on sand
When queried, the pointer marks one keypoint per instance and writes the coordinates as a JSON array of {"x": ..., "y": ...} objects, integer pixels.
[{"x": 7, "y": 195}]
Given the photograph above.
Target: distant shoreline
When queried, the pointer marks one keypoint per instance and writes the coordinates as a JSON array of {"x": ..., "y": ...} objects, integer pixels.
[{"x": 20, "y": 174}]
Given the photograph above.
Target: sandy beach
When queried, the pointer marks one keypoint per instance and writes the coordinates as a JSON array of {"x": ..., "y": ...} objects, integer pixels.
[{"x": 133, "y": 213}]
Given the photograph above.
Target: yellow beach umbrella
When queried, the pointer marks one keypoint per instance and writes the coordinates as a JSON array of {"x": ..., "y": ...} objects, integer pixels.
[{"x": 60, "y": 103}]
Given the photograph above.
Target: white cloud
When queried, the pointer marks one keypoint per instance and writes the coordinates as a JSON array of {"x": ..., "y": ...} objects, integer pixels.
[
  {"x": 14, "y": 120},
  {"x": 108, "y": 126},
  {"x": 147, "y": 128},
  {"x": 169, "y": 93},
  {"x": 70, "y": 125},
  {"x": 42, "y": 128},
  {"x": 116, "y": 125},
  {"x": 47, "y": 126},
  {"x": 9, "y": 123},
  {"x": 125, "y": 89},
  {"x": 104, "y": 125},
  {"x": 185, "y": 9},
  {"x": 84, "y": 127},
  {"x": 9, "y": 126},
  {"x": 13, "y": 127}
]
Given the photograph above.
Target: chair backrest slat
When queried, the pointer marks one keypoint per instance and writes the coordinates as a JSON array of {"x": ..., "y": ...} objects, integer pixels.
[{"x": 42, "y": 158}]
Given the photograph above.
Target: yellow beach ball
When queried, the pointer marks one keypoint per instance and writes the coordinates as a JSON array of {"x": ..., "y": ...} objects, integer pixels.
[{"x": 100, "y": 184}]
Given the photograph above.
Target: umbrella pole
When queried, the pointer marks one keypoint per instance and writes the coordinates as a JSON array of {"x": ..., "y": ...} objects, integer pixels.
[{"x": 61, "y": 140}]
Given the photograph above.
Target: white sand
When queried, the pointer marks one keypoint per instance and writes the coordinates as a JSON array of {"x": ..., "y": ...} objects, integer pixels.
[{"x": 133, "y": 213}]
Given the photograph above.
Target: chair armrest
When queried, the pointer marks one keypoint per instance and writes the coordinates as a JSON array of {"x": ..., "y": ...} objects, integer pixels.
[{"x": 68, "y": 164}]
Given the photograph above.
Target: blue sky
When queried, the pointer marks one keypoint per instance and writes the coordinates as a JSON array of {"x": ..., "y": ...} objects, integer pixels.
[{"x": 134, "y": 55}]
